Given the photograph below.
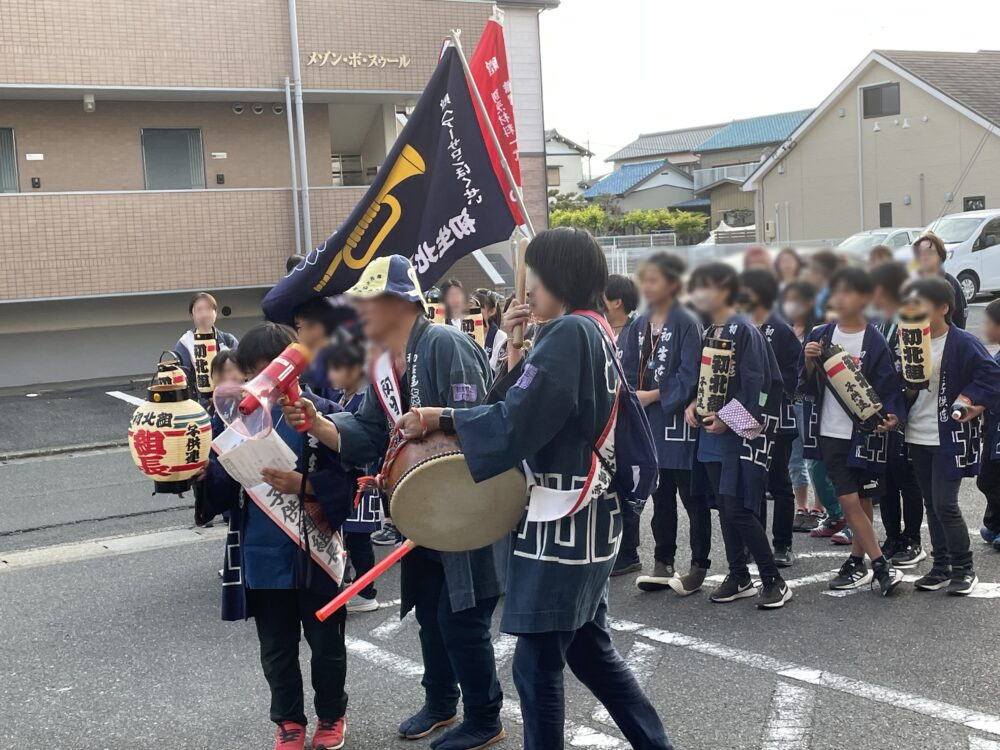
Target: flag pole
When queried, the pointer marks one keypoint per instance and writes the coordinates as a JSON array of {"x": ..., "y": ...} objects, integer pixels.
[{"x": 481, "y": 107}]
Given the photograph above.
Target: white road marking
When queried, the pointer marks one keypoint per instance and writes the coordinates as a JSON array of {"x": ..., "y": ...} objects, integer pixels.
[
  {"x": 390, "y": 628},
  {"x": 579, "y": 736},
  {"x": 789, "y": 725},
  {"x": 390, "y": 603},
  {"x": 643, "y": 659},
  {"x": 134, "y": 400},
  {"x": 856, "y": 688},
  {"x": 986, "y": 591},
  {"x": 58, "y": 554},
  {"x": 793, "y": 582},
  {"x": 977, "y": 743}
]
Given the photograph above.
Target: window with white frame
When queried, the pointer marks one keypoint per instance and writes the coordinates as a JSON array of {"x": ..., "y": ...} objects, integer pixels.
[{"x": 173, "y": 158}]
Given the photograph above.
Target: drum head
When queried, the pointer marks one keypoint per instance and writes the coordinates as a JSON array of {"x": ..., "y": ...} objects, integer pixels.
[{"x": 439, "y": 506}]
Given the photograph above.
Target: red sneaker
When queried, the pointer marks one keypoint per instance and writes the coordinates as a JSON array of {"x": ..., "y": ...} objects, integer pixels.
[
  {"x": 329, "y": 734},
  {"x": 828, "y": 528},
  {"x": 290, "y": 736}
]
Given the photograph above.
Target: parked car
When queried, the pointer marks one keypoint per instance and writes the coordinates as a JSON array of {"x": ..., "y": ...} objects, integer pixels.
[
  {"x": 972, "y": 239},
  {"x": 899, "y": 240}
]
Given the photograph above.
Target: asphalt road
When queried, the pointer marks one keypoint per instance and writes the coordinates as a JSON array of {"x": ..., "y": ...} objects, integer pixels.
[{"x": 118, "y": 644}]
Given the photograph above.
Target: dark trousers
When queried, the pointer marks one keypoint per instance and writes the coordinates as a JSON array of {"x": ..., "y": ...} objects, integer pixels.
[
  {"x": 949, "y": 534},
  {"x": 457, "y": 650},
  {"x": 664, "y": 522},
  {"x": 779, "y": 484},
  {"x": 359, "y": 548},
  {"x": 280, "y": 616},
  {"x": 628, "y": 550},
  {"x": 742, "y": 531},
  {"x": 902, "y": 506},
  {"x": 539, "y": 662},
  {"x": 988, "y": 483}
]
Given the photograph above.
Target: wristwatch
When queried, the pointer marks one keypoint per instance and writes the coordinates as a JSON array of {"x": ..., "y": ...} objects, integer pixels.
[{"x": 447, "y": 421}]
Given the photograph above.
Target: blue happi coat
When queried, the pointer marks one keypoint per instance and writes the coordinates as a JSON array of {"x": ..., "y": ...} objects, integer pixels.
[
  {"x": 787, "y": 349},
  {"x": 366, "y": 516},
  {"x": 444, "y": 367},
  {"x": 991, "y": 442},
  {"x": 669, "y": 364},
  {"x": 259, "y": 554},
  {"x": 966, "y": 369},
  {"x": 868, "y": 449},
  {"x": 755, "y": 384},
  {"x": 551, "y": 417}
]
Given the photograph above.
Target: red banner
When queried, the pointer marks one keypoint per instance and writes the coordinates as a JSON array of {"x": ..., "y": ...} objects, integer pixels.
[{"x": 492, "y": 77}]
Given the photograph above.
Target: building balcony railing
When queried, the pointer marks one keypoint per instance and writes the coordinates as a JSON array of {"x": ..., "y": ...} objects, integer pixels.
[{"x": 703, "y": 177}]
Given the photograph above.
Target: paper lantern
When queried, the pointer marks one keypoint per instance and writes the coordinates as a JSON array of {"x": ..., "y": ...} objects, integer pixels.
[
  {"x": 471, "y": 323},
  {"x": 851, "y": 388},
  {"x": 170, "y": 434},
  {"x": 713, "y": 380},
  {"x": 915, "y": 343},
  {"x": 205, "y": 349}
]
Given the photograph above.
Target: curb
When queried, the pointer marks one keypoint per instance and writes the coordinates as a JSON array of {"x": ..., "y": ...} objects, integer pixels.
[{"x": 60, "y": 450}]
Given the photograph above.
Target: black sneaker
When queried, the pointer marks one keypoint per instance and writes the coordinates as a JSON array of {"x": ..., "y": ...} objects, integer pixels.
[
  {"x": 732, "y": 589},
  {"x": 853, "y": 574},
  {"x": 784, "y": 557},
  {"x": 963, "y": 581},
  {"x": 888, "y": 577},
  {"x": 774, "y": 594},
  {"x": 935, "y": 580},
  {"x": 891, "y": 546},
  {"x": 907, "y": 556}
]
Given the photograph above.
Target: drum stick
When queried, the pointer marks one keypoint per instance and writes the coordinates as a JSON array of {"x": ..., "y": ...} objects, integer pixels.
[
  {"x": 520, "y": 289},
  {"x": 361, "y": 583}
]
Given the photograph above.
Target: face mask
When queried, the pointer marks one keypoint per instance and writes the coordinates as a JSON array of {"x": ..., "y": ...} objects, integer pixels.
[
  {"x": 871, "y": 311},
  {"x": 792, "y": 310},
  {"x": 703, "y": 299}
]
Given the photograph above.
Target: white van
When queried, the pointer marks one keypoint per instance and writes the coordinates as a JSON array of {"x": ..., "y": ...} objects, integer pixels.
[{"x": 972, "y": 240}]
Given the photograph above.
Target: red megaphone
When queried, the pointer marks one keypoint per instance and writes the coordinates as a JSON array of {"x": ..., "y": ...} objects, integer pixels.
[{"x": 281, "y": 377}]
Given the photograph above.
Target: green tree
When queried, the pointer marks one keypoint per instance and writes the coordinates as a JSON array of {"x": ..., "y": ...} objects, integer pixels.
[{"x": 686, "y": 224}]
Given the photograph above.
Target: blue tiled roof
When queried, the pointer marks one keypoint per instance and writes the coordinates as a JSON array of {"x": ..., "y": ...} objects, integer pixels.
[
  {"x": 624, "y": 178},
  {"x": 754, "y": 131}
]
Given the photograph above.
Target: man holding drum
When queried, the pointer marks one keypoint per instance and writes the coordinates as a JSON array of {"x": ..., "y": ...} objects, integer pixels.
[
  {"x": 453, "y": 594},
  {"x": 555, "y": 420}
]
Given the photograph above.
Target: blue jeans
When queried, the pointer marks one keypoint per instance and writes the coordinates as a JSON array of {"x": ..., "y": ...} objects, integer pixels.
[
  {"x": 825, "y": 492},
  {"x": 539, "y": 662},
  {"x": 797, "y": 470}
]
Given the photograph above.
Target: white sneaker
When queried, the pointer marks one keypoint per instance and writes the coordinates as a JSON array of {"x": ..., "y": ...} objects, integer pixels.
[{"x": 360, "y": 604}]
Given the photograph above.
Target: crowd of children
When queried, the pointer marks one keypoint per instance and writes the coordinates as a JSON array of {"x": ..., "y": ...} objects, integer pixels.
[
  {"x": 825, "y": 471},
  {"x": 779, "y": 436}
]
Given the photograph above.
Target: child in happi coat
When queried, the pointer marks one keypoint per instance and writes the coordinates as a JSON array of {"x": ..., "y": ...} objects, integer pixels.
[
  {"x": 855, "y": 460},
  {"x": 946, "y": 444},
  {"x": 554, "y": 419},
  {"x": 735, "y": 442},
  {"x": 988, "y": 480},
  {"x": 225, "y": 371},
  {"x": 759, "y": 294},
  {"x": 798, "y": 308},
  {"x": 902, "y": 505},
  {"x": 268, "y": 577},
  {"x": 661, "y": 352},
  {"x": 345, "y": 362}
]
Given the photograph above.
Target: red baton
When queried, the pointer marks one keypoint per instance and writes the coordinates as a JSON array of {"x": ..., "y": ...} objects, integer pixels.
[{"x": 342, "y": 598}]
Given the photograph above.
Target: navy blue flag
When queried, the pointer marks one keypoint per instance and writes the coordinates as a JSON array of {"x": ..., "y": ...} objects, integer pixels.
[{"x": 435, "y": 199}]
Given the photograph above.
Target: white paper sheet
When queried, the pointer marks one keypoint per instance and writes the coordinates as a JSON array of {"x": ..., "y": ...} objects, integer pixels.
[{"x": 243, "y": 459}]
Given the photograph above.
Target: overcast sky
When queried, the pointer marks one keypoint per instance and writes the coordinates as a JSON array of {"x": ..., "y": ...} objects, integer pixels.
[{"x": 616, "y": 68}]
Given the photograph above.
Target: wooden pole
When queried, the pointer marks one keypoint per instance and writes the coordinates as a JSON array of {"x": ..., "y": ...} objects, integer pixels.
[{"x": 520, "y": 290}]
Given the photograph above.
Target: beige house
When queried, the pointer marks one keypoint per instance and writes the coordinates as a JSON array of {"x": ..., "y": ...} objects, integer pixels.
[
  {"x": 564, "y": 163},
  {"x": 148, "y": 151},
  {"x": 905, "y": 138}
]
